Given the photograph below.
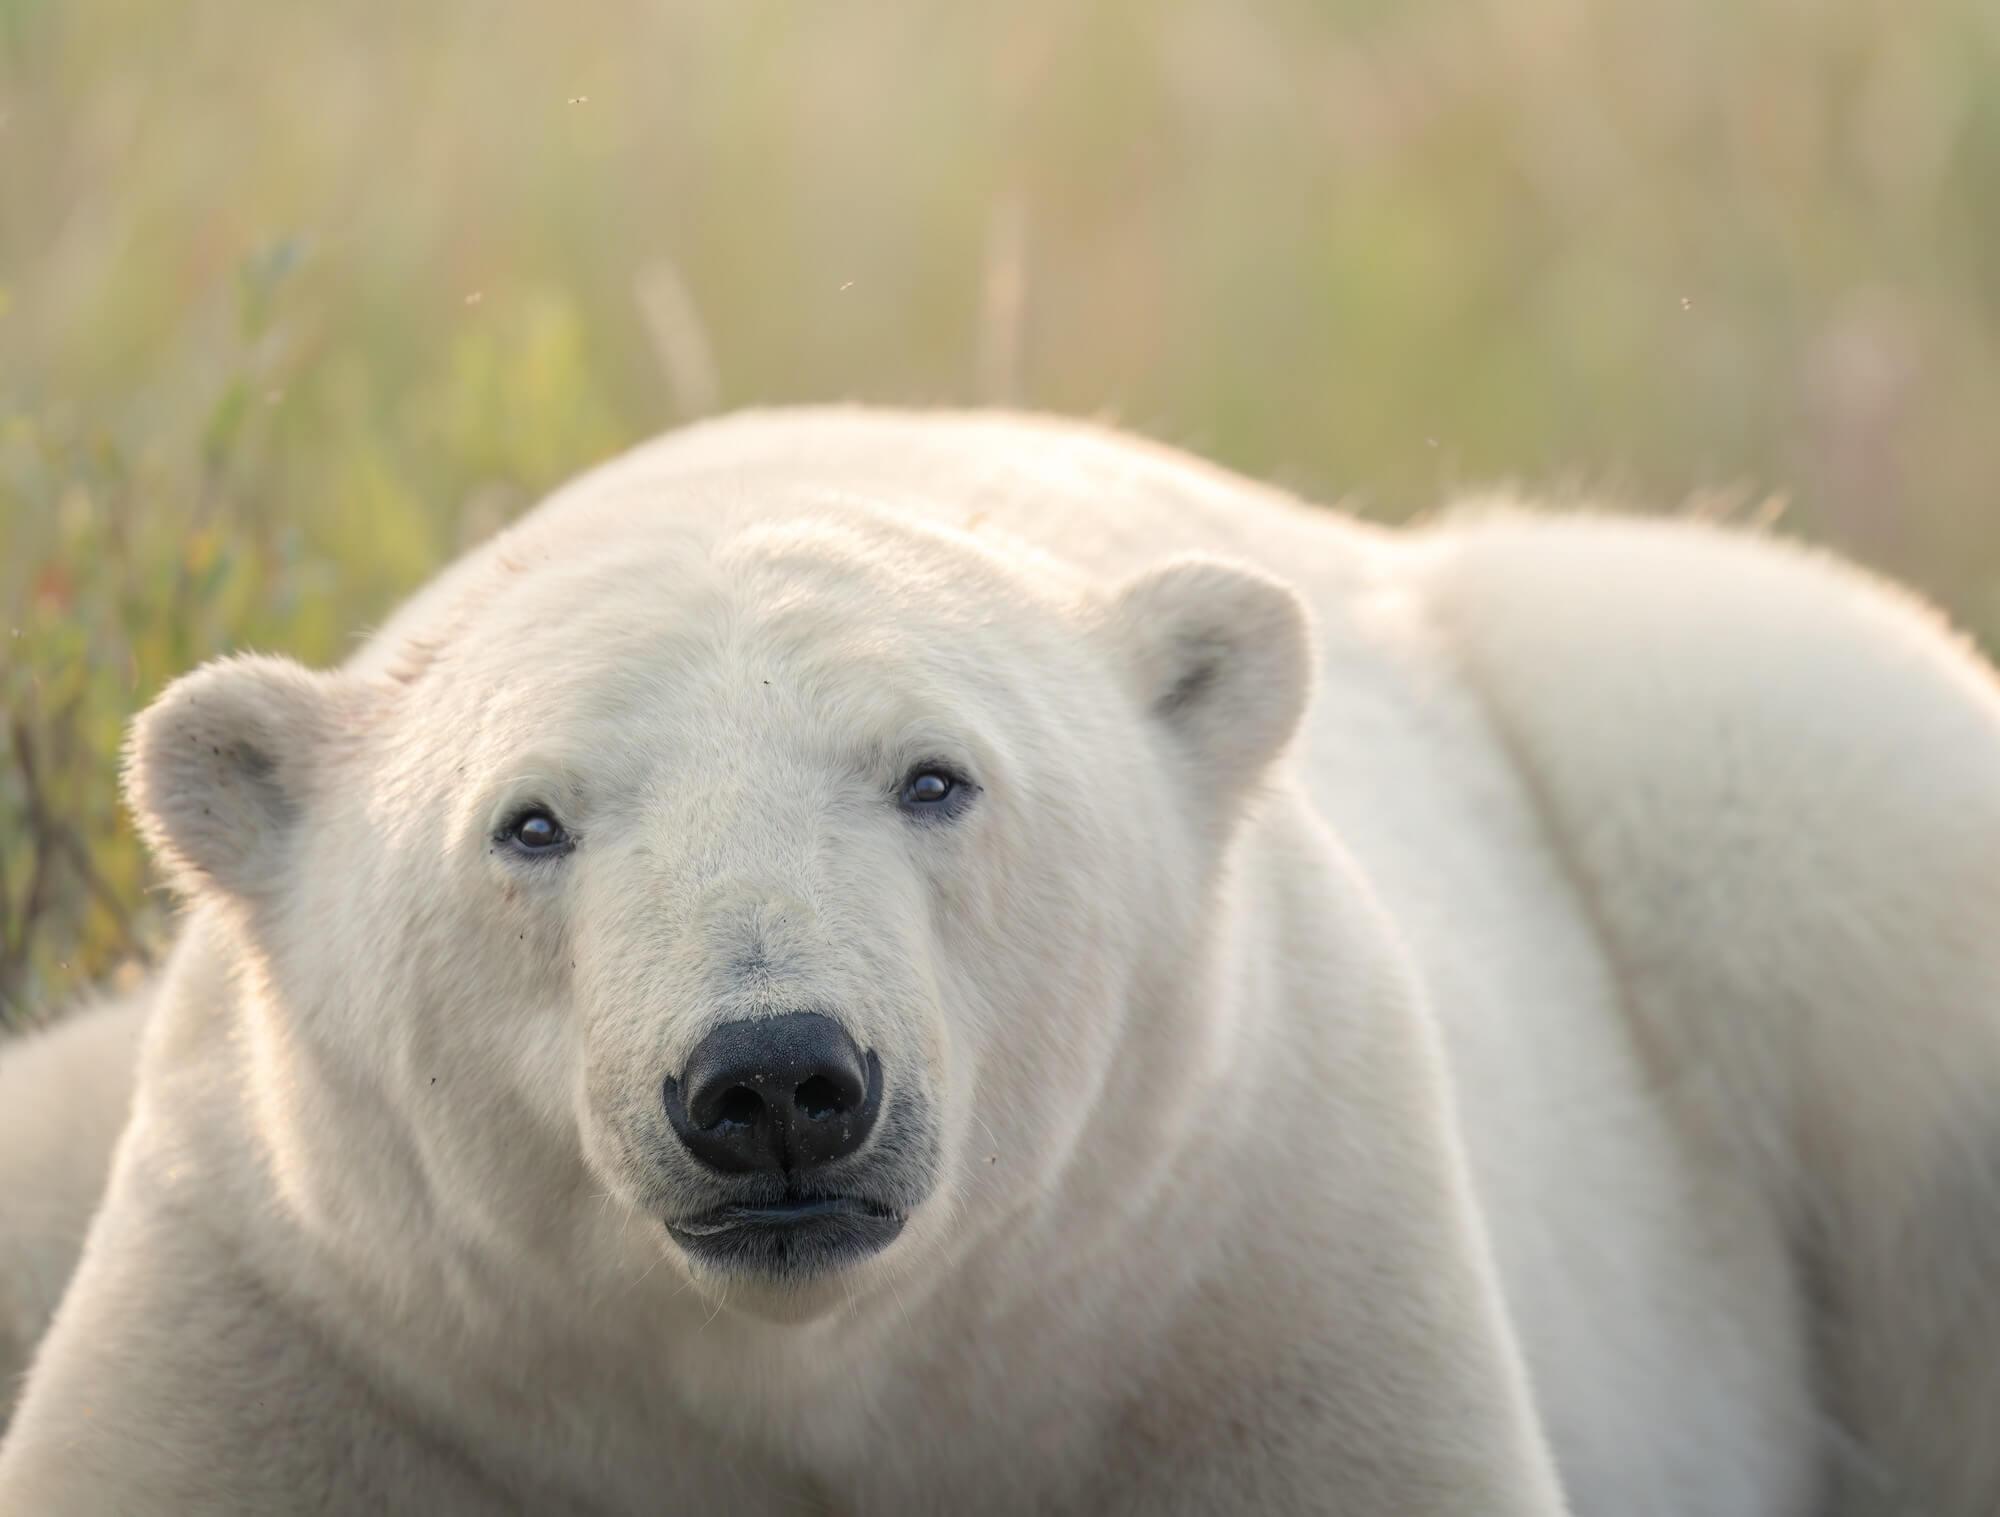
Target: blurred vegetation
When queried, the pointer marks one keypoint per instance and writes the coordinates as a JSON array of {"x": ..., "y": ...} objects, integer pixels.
[{"x": 298, "y": 298}]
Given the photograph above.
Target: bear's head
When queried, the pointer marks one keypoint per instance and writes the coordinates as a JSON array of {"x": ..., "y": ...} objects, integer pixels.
[{"x": 831, "y": 891}]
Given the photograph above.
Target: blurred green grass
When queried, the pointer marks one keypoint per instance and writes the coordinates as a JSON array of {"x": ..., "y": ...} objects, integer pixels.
[{"x": 296, "y": 299}]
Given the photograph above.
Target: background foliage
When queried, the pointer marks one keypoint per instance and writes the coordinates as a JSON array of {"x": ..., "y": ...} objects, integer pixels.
[{"x": 297, "y": 298}]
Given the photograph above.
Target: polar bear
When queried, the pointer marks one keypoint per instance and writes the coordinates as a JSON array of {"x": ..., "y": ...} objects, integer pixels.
[{"x": 865, "y": 962}]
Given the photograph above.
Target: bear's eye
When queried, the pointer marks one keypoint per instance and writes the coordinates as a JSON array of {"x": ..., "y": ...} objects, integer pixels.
[
  {"x": 927, "y": 787},
  {"x": 934, "y": 790},
  {"x": 536, "y": 831}
]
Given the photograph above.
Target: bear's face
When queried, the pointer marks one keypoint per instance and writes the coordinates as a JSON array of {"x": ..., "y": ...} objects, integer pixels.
[{"x": 805, "y": 880}]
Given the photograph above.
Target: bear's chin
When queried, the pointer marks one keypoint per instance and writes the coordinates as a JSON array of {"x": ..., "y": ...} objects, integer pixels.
[{"x": 784, "y": 1301}]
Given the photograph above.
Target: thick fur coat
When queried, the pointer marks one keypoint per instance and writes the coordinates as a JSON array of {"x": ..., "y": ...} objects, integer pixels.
[{"x": 1494, "y": 1020}]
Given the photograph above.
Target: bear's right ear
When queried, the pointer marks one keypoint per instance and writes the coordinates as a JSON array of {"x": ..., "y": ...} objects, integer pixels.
[{"x": 218, "y": 767}]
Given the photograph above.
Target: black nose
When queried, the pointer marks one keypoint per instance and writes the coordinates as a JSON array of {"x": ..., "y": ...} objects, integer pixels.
[{"x": 775, "y": 1093}]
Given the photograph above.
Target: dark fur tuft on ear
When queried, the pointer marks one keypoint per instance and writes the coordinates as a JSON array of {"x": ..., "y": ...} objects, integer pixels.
[
  {"x": 217, "y": 769},
  {"x": 1222, "y": 657}
]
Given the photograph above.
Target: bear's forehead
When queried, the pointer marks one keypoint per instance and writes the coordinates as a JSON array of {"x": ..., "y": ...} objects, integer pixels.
[
  {"x": 733, "y": 622},
  {"x": 790, "y": 587}
]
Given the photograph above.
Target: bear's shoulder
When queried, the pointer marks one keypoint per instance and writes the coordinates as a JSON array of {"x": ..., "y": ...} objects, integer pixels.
[
  {"x": 1692, "y": 670},
  {"x": 1744, "y": 744}
]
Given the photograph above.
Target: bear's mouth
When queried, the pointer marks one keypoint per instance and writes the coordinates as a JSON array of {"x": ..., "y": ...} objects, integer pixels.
[{"x": 789, "y": 1239}]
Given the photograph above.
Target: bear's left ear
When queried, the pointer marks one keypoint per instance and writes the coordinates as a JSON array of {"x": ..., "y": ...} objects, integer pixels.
[
  {"x": 1221, "y": 656},
  {"x": 220, "y": 767}
]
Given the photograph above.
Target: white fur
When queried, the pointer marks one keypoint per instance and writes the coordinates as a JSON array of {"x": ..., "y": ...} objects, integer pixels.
[
  {"x": 1556, "y": 1076},
  {"x": 64, "y": 1091}
]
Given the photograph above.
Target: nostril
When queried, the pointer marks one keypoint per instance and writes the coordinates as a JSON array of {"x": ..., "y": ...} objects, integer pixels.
[
  {"x": 818, "y": 1098},
  {"x": 741, "y": 1104}
]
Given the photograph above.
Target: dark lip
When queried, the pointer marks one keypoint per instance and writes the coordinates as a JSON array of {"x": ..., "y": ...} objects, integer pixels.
[
  {"x": 781, "y": 1215},
  {"x": 788, "y": 1240}
]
